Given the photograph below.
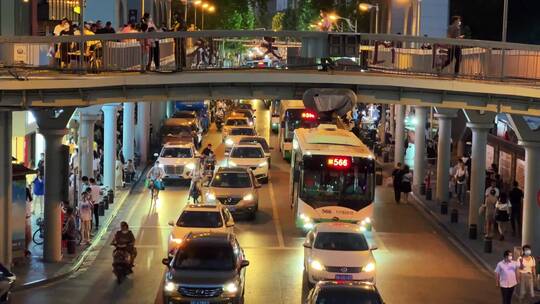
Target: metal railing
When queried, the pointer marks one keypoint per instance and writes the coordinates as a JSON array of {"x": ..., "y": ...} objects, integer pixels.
[{"x": 204, "y": 50}]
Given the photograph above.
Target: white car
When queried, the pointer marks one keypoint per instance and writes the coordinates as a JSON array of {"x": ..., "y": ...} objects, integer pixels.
[
  {"x": 179, "y": 160},
  {"x": 236, "y": 134},
  {"x": 249, "y": 156},
  {"x": 199, "y": 218},
  {"x": 261, "y": 141},
  {"x": 337, "y": 251},
  {"x": 231, "y": 122}
]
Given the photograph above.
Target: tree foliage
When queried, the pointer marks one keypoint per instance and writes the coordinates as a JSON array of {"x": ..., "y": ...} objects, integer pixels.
[{"x": 277, "y": 21}]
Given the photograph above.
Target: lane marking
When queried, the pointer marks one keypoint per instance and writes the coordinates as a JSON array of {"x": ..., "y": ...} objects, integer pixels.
[{"x": 275, "y": 216}]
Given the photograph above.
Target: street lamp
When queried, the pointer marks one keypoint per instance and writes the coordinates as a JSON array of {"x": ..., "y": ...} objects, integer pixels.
[
  {"x": 365, "y": 7},
  {"x": 205, "y": 6}
]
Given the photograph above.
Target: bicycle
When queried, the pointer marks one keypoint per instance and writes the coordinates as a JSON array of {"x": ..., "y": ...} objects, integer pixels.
[
  {"x": 154, "y": 191},
  {"x": 38, "y": 236}
]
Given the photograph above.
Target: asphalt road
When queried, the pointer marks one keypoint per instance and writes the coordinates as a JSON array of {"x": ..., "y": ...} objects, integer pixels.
[{"x": 416, "y": 264}]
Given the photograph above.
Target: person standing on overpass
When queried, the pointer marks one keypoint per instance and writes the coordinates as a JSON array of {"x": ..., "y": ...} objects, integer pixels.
[{"x": 454, "y": 52}]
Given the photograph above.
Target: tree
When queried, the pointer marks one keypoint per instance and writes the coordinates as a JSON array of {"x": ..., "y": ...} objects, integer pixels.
[
  {"x": 306, "y": 14},
  {"x": 277, "y": 21}
]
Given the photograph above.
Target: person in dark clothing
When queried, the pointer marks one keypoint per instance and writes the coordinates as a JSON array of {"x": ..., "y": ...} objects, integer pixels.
[
  {"x": 397, "y": 174},
  {"x": 516, "y": 200},
  {"x": 454, "y": 52},
  {"x": 356, "y": 130},
  {"x": 108, "y": 29}
]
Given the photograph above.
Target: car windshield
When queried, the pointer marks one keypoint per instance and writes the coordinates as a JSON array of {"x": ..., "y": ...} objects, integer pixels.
[
  {"x": 242, "y": 131},
  {"x": 231, "y": 180},
  {"x": 236, "y": 122},
  {"x": 206, "y": 257},
  {"x": 324, "y": 186},
  {"x": 187, "y": 129},
  {"x": 184, "y": 115},
  {"x": 254, "y": 140},
  {"x": 347, "y": 296},
  {"x": 245, "y": 106},
  {"x": 247, "y": 152},
  {"x": 340, "y": 241},
  {"x": 200, "y": 219},
  {"x": 176, "y": 153}
]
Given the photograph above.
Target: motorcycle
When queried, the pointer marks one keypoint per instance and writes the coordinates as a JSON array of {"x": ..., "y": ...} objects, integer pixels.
[
  {"x": 219, "y": 122},
  {"x": 121, "y": 263},
  {"x": 209, "y": 164}
]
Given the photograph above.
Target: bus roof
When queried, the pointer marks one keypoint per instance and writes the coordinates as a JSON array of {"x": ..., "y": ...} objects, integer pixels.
[{"x": 330, "y": 140}]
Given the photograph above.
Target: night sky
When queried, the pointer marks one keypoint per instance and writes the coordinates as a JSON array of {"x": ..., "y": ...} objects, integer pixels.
[{"x": 484, "y": 18}]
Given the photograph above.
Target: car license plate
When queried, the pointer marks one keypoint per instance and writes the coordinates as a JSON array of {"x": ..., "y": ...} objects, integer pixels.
[
  {"x": 344, "y": 277},
  {"x": 200, "y": 302}
]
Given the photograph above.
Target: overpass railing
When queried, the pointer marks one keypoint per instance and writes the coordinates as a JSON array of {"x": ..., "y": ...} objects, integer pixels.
[{"x": 211, "y": 50}]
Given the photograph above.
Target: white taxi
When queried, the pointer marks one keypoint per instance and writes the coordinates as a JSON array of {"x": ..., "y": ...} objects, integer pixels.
[
  {"x": 179, "y": 160},
  {"x": 231, "y": 122},
  {"x": 249, "y": 155},
  {"x": 236, "y": 134},
  {"x": 197, "y": 218},
  {"x": 337, "y": 251}
]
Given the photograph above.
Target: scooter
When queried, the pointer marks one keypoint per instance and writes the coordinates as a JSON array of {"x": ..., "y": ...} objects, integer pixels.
[{"x": 121, "y": 263}]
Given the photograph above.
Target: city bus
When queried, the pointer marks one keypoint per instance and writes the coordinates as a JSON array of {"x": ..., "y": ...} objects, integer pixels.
[
  {"x": 332, "y": 177},
  {"x": 292, "y": 115}
]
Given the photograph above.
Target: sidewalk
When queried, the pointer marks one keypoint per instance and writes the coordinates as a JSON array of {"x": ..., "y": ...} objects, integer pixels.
[{"x": 35, "y": 272}]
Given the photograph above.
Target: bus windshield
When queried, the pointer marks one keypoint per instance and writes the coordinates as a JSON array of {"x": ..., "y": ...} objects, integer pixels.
[
  {"x": 293, "y": 120},
  {"x": 351, "y": 187}
]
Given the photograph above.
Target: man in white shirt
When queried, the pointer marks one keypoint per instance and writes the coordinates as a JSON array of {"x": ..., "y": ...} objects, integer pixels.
[
  {"x": 507, "y": 276},
  {"x": 95, "y": 194},
  {"x": 493, "y": 185}
]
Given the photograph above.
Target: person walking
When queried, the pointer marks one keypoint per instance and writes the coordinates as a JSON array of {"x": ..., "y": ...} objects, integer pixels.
[
  {"x": 454, "y": 52},
  {"x": 507, "y": 277},
  {"x": 195, "y": 188},
  {"x": 119, "y": 174},
  {"x": 95, "y": 198},
  {"x": 38, "y": 187},
  {"x": 527, "y": 273},
  {"x": 460, "y": 178},
  {"x": 130, "y": 171},
  {"x": 503, "y": 209},
  {"x": 516, "y": 199},
  {"x": 406, "y": 179},
  {"x": 397, "y": 176},
  {"x": 489, "y": 209},
  {"x": 85, "y": 213}
]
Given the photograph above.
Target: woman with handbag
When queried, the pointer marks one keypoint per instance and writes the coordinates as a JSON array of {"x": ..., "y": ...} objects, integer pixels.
[{"x": 503, "y": 209}]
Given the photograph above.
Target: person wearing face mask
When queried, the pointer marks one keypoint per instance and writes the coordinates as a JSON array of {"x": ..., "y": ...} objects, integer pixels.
[
  {"x": 527, "y": 270},
  {"x": 125, "y": 240},
  {"x": 507, "y": 276}
]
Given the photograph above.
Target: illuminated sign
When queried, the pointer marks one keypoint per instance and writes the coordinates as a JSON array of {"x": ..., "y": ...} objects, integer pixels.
[
  {"x": 338, "y": 162},
  {"x": 308, "y": 115}
]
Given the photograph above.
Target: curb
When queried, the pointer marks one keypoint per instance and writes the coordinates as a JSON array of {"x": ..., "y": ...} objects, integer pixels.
[
  {"x": 84, "y": 254},
  {"x": 456, "y": 241}
]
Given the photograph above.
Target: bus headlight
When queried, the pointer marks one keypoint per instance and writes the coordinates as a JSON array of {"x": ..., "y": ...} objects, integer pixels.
[{"x": 369, "y": 267}]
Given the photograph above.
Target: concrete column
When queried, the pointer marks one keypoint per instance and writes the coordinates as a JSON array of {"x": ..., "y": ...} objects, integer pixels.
[
  {"x": 109, "y": 145},
  {"x": 531, "y": 204},
  {"x": 392, "y": 121},
  {"x": 52, "y": 250},
  {"x": 443, "y": 156},
  {"x": 420, "y": 146},
  {"x": 382, "y": 124},
  {"x": 86, "y": 143},
  {"x": 143, "y": 130},
  {"x": 170, "y": 108},
  {"x": 399, "y": 136},
  {"x": 128, "y": 131},
  {"x": 6, "y": 180},
  {"x": 478, "y": 172}
]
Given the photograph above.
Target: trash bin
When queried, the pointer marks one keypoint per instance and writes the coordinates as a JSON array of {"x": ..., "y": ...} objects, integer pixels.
[
  {"x": 378, "y": 177},
  {"x": 488, "y": 245},
  {"x": 105, "y": 204},
  {"x": 473, "y": 228},
  {"x": 444, "y": 207},
  {"x": 423, "y": 189},
  {"x": 110, "y": 196},
  {"x": 101, "y": 209},
  {"x": 429, "y": 194},
  {"x": 454, "y": 216}
]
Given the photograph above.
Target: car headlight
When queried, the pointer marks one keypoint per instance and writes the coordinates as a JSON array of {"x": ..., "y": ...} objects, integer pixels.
[
  {"x": 229, "y": 142},
  {"x": 232, "y": 164},
  {"x": 316, "y": 265},
  {"x": 177, "y": 241},
  {"x": 248, "y": 197},
  {"x": 211, "y": 196},
  {"x": 190, "y": 166},
  {"x": 263, "y": 164},
  {"x": 369, "y": 267},
  {"x": 230, "y": 288},
  {"x": 170, "y": 286}
]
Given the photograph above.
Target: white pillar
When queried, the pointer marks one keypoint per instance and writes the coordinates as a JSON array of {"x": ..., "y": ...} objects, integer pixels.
[
  {"x": 109, "y": 145},
  {"x": 478, "y": 171},
  {"x": 443, "y": 156},
  {"x": 143, "y": 130},
  {"x": 52, "y": 250},
  {"x": 399, "y": 136},
  {"x": 531, "y": 203},
  {"x": 128, "y": 130},
  {"x": 6, "y": 180},
  {"x": 170, "y": 108},
  {"x": 420, "y": 146},
  {"x": 86, "y": 143}
]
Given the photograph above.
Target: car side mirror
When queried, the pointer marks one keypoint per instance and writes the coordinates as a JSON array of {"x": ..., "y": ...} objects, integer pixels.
[
  {"x": 307, "y": 245},
  {"x": 171, "y": 223},
  {"x": 244, "y": 263},
  {"x": 166, "y": 262},
  {"x": 373, "y": 247}
]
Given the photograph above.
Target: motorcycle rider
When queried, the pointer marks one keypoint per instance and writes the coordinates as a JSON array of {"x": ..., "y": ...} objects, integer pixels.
[
  {"x": 208, "y": 150},
  {"x": 125, "y": 240},
  {"x": 156, "y": 175}
]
